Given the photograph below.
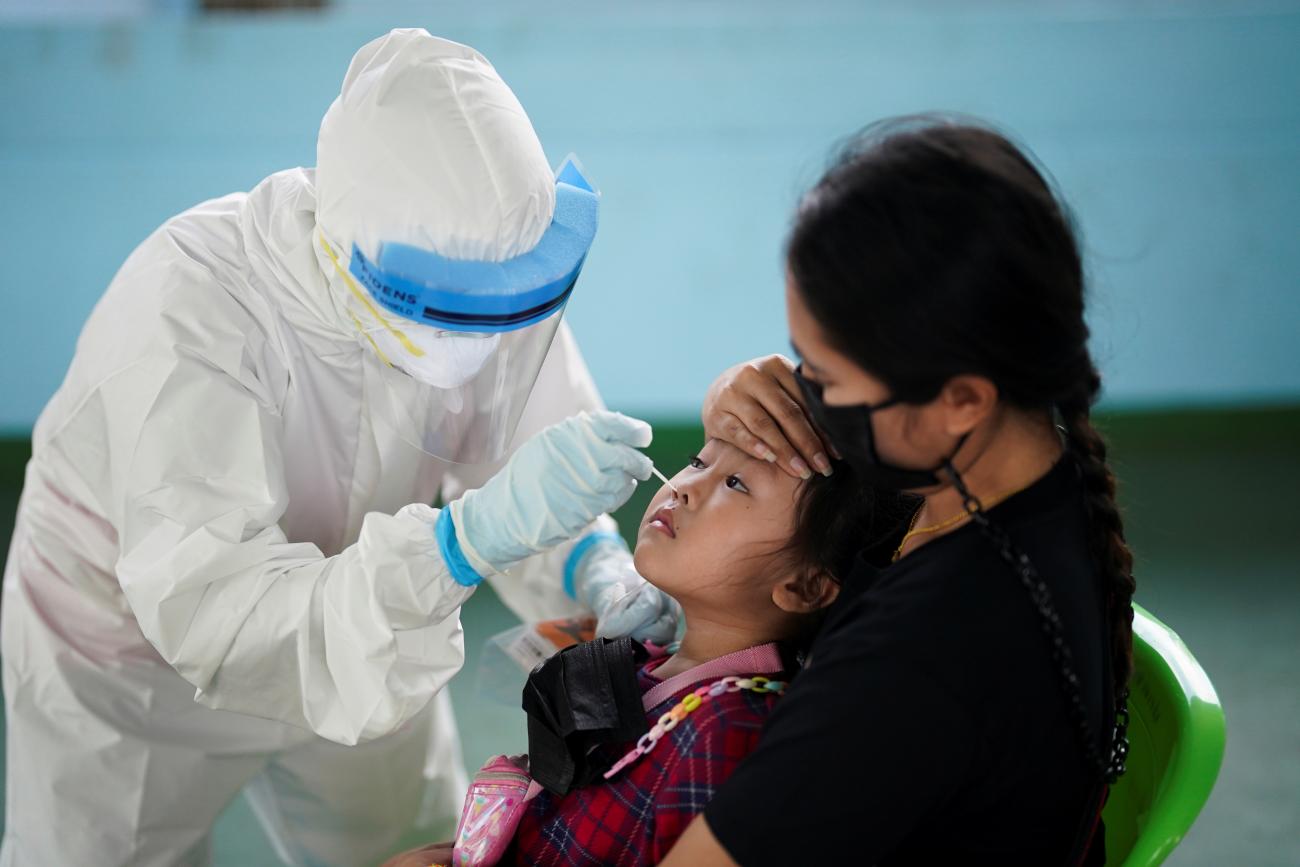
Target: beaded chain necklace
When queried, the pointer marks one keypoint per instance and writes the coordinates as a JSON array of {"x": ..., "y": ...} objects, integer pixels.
[{"x": 692, "y": 701}]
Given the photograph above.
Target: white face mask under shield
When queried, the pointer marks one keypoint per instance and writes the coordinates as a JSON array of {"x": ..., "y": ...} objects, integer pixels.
[
  {"x": 434, "y": 356},
  {"x": 455, "y": 395}
]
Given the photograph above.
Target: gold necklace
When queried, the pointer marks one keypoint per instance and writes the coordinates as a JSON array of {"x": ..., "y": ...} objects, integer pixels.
[{"x": 913, "y": 530}]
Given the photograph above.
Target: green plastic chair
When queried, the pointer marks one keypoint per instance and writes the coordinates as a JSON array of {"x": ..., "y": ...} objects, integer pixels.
[{"x": 1176, "y": 736}]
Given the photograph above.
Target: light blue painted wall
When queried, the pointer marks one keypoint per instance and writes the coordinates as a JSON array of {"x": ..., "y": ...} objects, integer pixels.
[{"x": 1174, "y": 129}]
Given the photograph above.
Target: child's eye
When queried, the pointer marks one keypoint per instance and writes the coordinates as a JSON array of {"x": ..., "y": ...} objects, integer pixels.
[
  {"x": 696, "y": 463},
  {"x": 736, "y": 484}
]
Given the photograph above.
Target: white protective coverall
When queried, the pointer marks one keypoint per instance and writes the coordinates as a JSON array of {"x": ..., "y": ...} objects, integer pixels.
[{"x": 224, "y": 568}]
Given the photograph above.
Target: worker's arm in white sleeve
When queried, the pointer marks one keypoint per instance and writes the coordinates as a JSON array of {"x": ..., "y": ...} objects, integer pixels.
[{"x": 349, "y": 646}]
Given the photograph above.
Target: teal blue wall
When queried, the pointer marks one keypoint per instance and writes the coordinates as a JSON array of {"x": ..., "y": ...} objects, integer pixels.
[{"x": 1174, "y": 128}]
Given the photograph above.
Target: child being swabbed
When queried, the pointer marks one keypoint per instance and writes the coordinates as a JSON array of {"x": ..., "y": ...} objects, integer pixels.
[{"x": 752, "y": 555}]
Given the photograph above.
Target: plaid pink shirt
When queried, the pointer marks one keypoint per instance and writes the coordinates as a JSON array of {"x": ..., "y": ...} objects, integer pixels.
[{"x": 637, "y": 816}]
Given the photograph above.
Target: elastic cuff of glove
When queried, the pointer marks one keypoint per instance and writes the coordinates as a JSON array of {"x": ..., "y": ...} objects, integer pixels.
[
  {"x": 579, "y": 550},
  {"x": 452, "y": 556}
]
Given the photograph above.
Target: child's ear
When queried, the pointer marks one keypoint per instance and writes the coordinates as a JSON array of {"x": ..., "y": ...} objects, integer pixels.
[{"x": 801, "y": 594}]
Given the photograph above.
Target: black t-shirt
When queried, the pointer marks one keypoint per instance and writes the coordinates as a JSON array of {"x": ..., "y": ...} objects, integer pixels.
[{"x": 929, "y": 726}]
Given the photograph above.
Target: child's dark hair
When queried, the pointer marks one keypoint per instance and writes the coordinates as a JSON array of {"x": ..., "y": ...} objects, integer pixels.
[
  {"x": 837, "y": 518},
  {"x": 935, "y": 248}
]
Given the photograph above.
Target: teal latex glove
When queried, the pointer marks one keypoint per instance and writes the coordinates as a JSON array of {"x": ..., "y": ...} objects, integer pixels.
[
  {"x": 556, "y": 484},
  {"x": 601, "y": 575}
]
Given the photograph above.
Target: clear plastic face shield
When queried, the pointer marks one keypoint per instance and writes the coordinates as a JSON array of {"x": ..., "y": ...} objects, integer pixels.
[{"x": 463, "y": 341}]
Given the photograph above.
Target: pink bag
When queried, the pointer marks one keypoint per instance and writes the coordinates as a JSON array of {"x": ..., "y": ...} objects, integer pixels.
[{"x": 493, "y": 807}]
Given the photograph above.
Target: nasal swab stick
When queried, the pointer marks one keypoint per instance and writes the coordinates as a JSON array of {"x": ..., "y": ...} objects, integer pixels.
[{"x": 662, "y": 478}]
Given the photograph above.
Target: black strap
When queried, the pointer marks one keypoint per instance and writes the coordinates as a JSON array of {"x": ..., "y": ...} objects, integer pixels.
[{"x": 1107, "y": 769}]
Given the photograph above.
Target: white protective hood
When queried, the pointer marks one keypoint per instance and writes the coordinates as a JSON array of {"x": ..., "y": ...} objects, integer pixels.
[
  {"x": 427, "y": 147},
  {"x": 483, "y": 192}
]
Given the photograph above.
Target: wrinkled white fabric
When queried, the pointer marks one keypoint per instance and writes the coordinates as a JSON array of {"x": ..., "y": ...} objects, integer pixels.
[
  {"x": 426, "y": 146},
  {"x": 214, "y": 497},
  {"x": 215, "y": 510},
  {"x": 379, "y": 181}
]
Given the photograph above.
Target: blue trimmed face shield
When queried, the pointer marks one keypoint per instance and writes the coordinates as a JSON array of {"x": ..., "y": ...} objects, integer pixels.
[
  {"x": 488, "y": 297},
  {"x": 461, "y": 342}
]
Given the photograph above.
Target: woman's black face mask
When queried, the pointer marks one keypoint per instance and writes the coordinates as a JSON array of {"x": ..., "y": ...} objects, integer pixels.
[{"x": 850, "y": 431}]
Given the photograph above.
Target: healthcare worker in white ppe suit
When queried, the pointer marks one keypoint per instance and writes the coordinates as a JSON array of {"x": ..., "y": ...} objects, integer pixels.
[{"x": 226, "y": 572}]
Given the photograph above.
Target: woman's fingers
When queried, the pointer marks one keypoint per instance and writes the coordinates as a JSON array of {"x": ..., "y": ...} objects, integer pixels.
[
  {"x": 721, "y": 423},
  {"x": 780, "y": 422},
  {"x": 728, "y": 427},
  {"x": 749, "y": 406},
  {"x": 784, "y": 374}
]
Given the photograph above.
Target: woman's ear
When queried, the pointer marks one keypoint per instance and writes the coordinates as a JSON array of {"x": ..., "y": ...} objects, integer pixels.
[
  {"x": 805, "y": 593},
  {"x": 967, "y": 400}
]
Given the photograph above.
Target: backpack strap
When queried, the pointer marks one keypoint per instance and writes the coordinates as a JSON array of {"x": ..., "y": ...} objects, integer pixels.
[{"x": 762, "y": 659}]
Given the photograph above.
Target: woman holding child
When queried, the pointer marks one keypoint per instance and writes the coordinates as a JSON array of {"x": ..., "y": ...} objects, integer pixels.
[{"x": 964, "y": 698}]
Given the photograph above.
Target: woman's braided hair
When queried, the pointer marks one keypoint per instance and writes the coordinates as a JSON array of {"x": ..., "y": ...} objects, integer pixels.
[
  {"x": 1111, "y": 551},
  {"x": 934, "y": 247}
]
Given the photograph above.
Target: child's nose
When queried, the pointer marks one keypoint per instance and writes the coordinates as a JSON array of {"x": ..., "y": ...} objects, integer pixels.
[{"x": 688, "y": 492}]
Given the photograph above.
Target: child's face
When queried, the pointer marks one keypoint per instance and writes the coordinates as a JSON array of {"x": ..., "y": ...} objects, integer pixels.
[{"x": 717, "y": 541}]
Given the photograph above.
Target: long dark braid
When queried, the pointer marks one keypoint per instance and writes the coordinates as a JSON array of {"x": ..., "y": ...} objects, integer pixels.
[{"x": 1114, "y": 560}]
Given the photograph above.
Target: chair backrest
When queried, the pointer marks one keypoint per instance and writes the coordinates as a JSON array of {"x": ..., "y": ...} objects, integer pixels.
[{"x": 1176, "y": 736}]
